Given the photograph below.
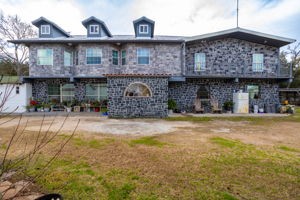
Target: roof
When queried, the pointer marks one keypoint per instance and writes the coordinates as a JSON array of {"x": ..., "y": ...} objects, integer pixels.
[
  {"x": 9, "y": 79},
  {"x": 38, "y": 21},
  {"x": 137, "y": 75},
  {"x": 113, "y": 39},
  {"x": 92, "y": 18},
  {"x": 244, "y": 34}
]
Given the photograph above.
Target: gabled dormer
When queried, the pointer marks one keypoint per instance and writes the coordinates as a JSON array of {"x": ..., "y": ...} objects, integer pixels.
[
  {"x": 48, "y": 29},
  {"x": 143, "y": 27},
  {"x": 96, "y": 27}
]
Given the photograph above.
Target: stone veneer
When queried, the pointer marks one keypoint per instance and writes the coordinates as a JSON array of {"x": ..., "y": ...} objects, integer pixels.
[
  {"x": 184, "y": 93},
  {"x": 127, "y": 107},
  {"x": 231, "y": 57}
]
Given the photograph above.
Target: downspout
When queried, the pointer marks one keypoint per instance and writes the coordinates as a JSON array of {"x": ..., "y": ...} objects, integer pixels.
[{"x": 183, "y": 58}]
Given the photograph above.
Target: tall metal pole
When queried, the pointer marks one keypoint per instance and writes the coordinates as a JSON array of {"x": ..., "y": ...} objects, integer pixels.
[{"x": 237, "y": 13}]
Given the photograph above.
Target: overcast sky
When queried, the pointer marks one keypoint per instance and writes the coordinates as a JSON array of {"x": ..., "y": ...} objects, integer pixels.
[{"x": 172, "y": 17}]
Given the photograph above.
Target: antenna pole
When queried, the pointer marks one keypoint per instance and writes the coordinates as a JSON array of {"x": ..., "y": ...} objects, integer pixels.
[{"x": 237, "y": 13}]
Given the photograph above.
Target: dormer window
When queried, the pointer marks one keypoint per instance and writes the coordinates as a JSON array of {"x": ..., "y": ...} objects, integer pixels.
[
  {"x": 143, "y": 28},
  {"x": 94, "y": 29},
  {"x": 45, "y": 29}
]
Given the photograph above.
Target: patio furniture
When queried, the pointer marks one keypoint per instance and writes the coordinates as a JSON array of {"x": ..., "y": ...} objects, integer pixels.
[
  {"x": 197, "y": 106},
  {"x": 215, "y": 108}
]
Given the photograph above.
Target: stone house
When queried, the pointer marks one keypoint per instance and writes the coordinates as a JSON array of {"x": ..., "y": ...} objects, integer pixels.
[{"x": 139, "y": 73}]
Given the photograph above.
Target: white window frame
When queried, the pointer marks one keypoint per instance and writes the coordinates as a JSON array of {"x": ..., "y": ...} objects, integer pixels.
[
  {"x": 87, "y": 56},
  {"x": 94, "y": 32},
  {"x": 137, "y": 55},
  {"x": 203, "y": 63},
  {"x": 257, "y": 67},
  {"x": 51, "y": 64},
  {"x": 99, "y": 96},
  {"x": 45, "y": 29},
  {"x": 142, "y": 28}
]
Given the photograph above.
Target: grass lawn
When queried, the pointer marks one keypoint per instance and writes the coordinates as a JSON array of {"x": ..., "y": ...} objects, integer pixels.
[{"x": 189, "y": 163}]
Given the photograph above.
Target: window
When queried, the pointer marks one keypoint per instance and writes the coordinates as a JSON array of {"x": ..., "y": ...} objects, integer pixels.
[
  {"x": 123, "y": 57},
  {"x": 54, "y": 92},
  {"x": 96, "y": 91},
  {"x": 68, "y": 57},
  {"x": 93, "y": 56},
  {"x": 76, "y": 58},
  {"x": 67, "y": 92},
  {"x": 258, "y": 62},
  {"x": 200, "y": 61},
  {"x": 45, "y": 57},
  {"x": 17, "y": 90},
  {"x": 94, "y": 29},
  {"x": 143, "y": 28},
  {"x": 61, "y": 93},
  {"x": 203, "y": 92},
  {"x": 45, "y": 29},
  {"x": 115, "y": 57},
  {"x": 143, "y": 55},
  {"x": 137, "y": 90},
  {"x": 253, "y": 91}
]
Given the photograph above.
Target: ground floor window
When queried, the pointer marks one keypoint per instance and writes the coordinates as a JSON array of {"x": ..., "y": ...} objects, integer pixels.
[
  {"x": 203, "y": 92},
  {"x": 253, "y": 91},
  {"x": 61, "y": 92},
  {"x": 95, "y": 92}
]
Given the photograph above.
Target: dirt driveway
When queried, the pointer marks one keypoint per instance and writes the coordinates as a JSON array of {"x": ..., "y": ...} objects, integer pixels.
[{"x": 259, "y": 134}]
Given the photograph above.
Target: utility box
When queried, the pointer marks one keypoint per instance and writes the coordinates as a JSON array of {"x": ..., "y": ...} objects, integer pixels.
[{"x": 241, "y": 102}]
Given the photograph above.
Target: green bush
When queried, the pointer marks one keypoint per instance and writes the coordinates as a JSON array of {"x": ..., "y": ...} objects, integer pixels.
[{"x": 172, "y": 104}]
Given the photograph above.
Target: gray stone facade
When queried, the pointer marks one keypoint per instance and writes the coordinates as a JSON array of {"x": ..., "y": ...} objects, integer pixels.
[
  {"x": 232, "y": 57},
  {"x": 222, "y": 90},
  {"x": 164, "y": 59},
  {"x": 120, "y": 106}
]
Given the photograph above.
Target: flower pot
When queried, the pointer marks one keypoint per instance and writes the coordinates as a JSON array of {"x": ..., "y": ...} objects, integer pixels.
[
  {"x": 170, "y": 112},
  {"x": 47, "y": 109},
  {"x": 69, "y": 109},
  {"x": 261, "y": 110},
  {"x": 40, "y": 109},
  {"x": 31, "y": 109},
  {"x": 97, "y": 109}
]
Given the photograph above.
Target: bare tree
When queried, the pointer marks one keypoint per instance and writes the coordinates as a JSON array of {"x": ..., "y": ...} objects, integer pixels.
[
  {"x": 12, "y": 28},
  {"x": 294, "y": 53}
]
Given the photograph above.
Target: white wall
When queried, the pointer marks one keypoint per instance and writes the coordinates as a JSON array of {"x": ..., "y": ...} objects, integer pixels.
[{"x": 15, "y": 100}]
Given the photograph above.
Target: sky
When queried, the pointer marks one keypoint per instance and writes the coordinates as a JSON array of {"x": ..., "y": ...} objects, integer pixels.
[{"x": 172, "y": 17}]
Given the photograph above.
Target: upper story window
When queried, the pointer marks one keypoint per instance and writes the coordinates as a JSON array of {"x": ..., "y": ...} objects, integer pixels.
[
  {"x": 143, "y": 28},
  {"x": 143, "y": 56},
  {"x": 200, "y": 61},
  {"x": 258, "y": 62},
  {"x": 68, "y": 58},
  {"x": 94, "y": 29},
  {"x": 123, "y": 57},
  {"x": 115, "y": 57},
  {"x": 45, "y": 57},
  {"x": 45, "y": 29},
  {"x": 93, "y": 56}
]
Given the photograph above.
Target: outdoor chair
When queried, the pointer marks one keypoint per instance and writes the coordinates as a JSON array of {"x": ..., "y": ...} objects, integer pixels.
[
  {"x": 215, "y": 107},
  {"x": 197, "y": 106}
]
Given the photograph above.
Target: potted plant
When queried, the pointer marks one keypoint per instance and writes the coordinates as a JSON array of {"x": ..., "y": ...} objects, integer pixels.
[
  {"x": 171, "y": 105},
  {"x": 96, "y": 105},
  {"x": 39, "y": 107},
  {"x": 104, "y": 111},
  {"x": 46, "y": 107},
  {"x": 30, "y": 108},
  {"x": 32, "y": 105},
  {"x": 228, "y": 106}
]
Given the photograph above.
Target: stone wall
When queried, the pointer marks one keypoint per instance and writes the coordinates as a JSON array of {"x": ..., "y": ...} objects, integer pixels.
[
  {"x": 126, "y": 107},
  {"x": 164, "y": 59},
  {"x": 231, "y": 57},
  {"x": 222, "y": 90}
]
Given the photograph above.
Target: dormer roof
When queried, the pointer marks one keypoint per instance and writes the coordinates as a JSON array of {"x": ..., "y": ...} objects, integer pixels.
[
  {"x": 43, "y": 20},
  {"x": 93, "y": 19},
  {"x": 141, "y": 21}
]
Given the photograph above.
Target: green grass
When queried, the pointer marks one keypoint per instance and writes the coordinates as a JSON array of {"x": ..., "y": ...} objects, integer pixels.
[
  {"x": 92, "y": 143},
  {"x": 225, "y": 142},
  {"x": 148, "y": 141},
  {"x": 286, "y": 148}
]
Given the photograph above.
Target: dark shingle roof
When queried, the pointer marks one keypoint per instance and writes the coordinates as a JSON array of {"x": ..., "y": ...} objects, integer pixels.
[{"x": 38, "y": 21}]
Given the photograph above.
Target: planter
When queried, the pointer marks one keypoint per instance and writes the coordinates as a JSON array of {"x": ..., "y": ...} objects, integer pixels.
[
  {"x": 170, "y": 112},
  {"x": 46, "y": 109},
  {"x": 97, "y": 109},
  {"x": 31, "y": 109},
  {"x": 40, "y": 109},
  {"x": 68, "y": 109},
  {"x": 261, "y": 110},
  {"x": 229, "y": 112}
]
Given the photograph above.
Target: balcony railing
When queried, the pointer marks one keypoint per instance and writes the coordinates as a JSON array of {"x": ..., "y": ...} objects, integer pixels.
[{"x": 234, "y": 70}]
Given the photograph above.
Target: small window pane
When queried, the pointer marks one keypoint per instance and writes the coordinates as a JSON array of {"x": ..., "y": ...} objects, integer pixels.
[
  {"x": 258, "y": 62},
  {"x": 44, "y": 57},
  {"x": 253, "y": 91},
  {"x": 115, "y": 59},
  {"x": 68, "y": 58},
  {"x": 93, "y": 56},
  {"x": 123, "y": 57},
  {"x": 200, "y": 61},
  {"x": 96, "y": 91},
  {"x": 143, "y": 55}
]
